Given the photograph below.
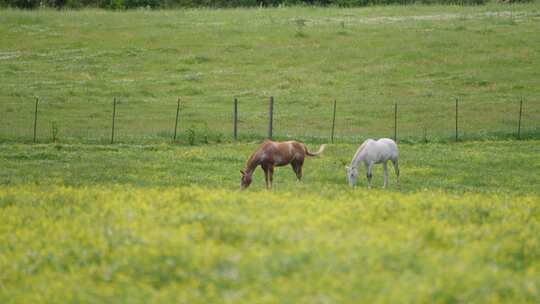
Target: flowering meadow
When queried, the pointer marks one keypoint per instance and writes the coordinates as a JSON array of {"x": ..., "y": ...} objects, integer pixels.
[{"x": 162, "y": 224}]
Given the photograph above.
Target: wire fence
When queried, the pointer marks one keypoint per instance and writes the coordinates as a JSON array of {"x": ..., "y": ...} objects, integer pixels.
[{"x": 192, "y": 122}]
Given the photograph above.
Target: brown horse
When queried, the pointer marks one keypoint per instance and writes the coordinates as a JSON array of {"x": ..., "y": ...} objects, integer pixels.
[{"x": 271, "y": 154}]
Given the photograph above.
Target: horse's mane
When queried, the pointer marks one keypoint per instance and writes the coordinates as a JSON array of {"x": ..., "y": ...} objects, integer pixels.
[
  {"x": 362, "y": 146},
  {"x": 251, "y": 159},
  {"x": 250, "y": 164}
]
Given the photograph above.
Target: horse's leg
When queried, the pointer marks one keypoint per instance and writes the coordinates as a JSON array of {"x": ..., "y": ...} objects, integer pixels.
[
  {"x": 369, "y": 174},
  {"x": 396, "y": 169},
  {"x": 385, "y": 165},
  {"x": 270, "y": 175},
  {"x": 297, "y": 168},
  {"x": 266, "y": 177}
]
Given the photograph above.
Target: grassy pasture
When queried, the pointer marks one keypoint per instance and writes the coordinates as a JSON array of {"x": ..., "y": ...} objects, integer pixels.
[
  {"x": 148, "y": 221},
  {"x": 488, "y": 167},
  {"x": 165, "y": 223},
  {"x": 421, "y": 57}
]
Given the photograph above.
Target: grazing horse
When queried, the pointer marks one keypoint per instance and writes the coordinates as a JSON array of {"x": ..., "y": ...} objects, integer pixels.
[
  {"x": 373, "y": 152},
  {"x": 270, "y": 154}
]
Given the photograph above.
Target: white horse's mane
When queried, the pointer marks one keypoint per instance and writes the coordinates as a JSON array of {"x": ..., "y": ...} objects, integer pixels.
[{"x": 355, "y": 157}]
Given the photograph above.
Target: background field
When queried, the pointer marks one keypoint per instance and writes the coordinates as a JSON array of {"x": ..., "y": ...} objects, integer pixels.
[
  {"x": 421, "y": 57},
  {"x": 150, "y": 221}
]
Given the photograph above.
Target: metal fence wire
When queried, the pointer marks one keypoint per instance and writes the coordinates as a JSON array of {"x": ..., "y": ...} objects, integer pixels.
[{"x": 192, "y": 121}]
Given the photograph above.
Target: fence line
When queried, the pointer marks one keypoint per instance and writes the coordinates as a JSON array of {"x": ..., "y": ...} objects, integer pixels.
[
  {"x": 270, "y": 117},
  {"x": 295, "y": 124},
  {"x": 176, "y": 120},
  {"x": 395, "y": 122},
  {"x": 235, "y": 119},
  {"x": 333, "y": 121},
  {"x": 519, "y": 119},
  {"x": 113, "y": 119},
  {"x": 456, "y": 119},
  {"x": 35, "y": 119}
]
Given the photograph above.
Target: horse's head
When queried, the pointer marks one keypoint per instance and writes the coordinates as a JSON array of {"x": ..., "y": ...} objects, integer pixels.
[
  {"x": 352, "y": 175},
  {"x": 245, "y": 181}
]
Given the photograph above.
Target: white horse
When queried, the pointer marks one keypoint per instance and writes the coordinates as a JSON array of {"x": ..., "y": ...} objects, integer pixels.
[{"x": 373, "y": 152}]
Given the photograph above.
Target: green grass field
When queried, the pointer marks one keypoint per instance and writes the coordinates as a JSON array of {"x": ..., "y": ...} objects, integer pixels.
[
  {"x": 421, "y": 57},
  {"x": 149, "y": 221},
  {"x": 506, "y": 166},
  {"x": 165, "y": 223}
]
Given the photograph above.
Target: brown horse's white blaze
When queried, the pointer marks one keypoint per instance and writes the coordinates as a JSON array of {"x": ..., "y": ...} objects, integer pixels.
[{"x": 271, "y": 154}]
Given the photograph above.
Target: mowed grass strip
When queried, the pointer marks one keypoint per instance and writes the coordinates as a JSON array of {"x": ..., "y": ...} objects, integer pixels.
[
  {"x": 421, "y": 57},
  {"x": 486, "y": 166},
  {"x": 199, "y": 244}
]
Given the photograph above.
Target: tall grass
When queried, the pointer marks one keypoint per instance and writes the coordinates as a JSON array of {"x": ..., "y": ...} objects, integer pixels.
[{"x": 123, "y": 244}]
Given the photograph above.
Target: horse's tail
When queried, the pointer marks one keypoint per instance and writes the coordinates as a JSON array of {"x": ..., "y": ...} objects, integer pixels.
[{"x": 321, "y": 149}]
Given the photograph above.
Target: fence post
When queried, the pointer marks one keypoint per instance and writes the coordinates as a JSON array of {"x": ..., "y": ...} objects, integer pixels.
[
  {"x": 456, "y": 120},
  {"x": 176, "y": 121},
  {"x": 334, "y": 121},
  {"x": 519, "y": 120},
  {"x": 270, "y": 117},
  {"x": 235, "y": 118},
  {"x": 113, "y": 118},
  {"x": 35, "y": 119},
  {"x": 395, "y": 122}
]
